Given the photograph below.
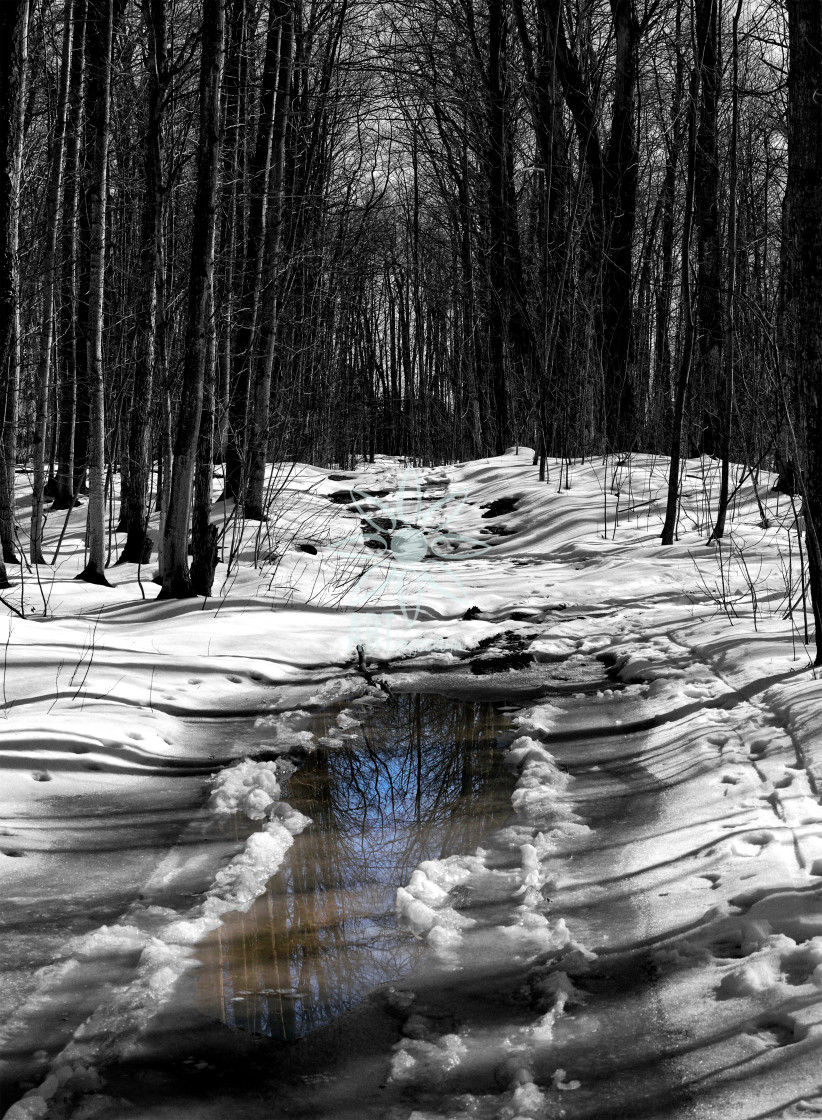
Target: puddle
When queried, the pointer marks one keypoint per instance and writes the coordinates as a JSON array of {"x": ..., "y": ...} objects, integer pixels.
[{"x": 423, "y": 781}]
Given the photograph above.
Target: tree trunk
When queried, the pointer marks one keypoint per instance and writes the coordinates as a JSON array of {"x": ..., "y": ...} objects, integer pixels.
[
  {"x": 98, "y": 95},
  {"x": 175, "y": 575},
  {"x": 13, "y": 33},
  {"x": 804, "y": 196},
  {"x": 258, "y": 435},
  {"x": 135, "y": 512},
  {"x": 621, "y": 174},
  {"x": 70, "y": 335},
  {"x": 686, "y": 357},
  {"x": 53, "y": 214},
  {"x": 706, "y": 202},
  {"x": 253, "y": 265},
  {"x": 203, "y": 533},
  {"x": 730, "y": 299}
]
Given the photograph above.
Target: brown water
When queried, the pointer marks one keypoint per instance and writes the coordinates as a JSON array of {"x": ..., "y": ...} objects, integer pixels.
[{"x": 423, "y": 780}]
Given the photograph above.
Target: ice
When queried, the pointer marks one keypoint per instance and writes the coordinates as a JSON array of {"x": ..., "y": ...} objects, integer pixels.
[
  {"x": 242, "y": 880},
  {"x": 426, "y": 1062}
]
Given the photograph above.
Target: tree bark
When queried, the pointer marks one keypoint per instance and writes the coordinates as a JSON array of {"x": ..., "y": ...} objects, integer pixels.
[
  {"x": 730, "y": 299},
  {"x": 709, "y": 295},
  {"x": 98, "y": 93},
  {"x": 175, "y": 575},
  {"x": 621, "y": 175},
  {"x": 258, "y": 428},
  {"x": 686, "y": 357},
  {"x": 203, "y": 533},
  {"x": 48, "y": 303},
  {"x": 134, "y": 502},
  {"x": 13, "y": 32},
  {"x": 804, "y": 197},
  {"x": 240, "y": 404},
  {"x": 70, "y": 344}
]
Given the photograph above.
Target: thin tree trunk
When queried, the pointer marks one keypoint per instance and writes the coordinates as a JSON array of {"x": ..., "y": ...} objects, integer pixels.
[
  {"x": 53, "y": 216},
  {"x": 804, "y": 201},
  {"x": 176, "y": 579},
  {"x": 70, "y": 341},
  {"x": 100, "y": 32},
  {"x": 706, "y": 204},
  {"x": 203, "y": 533},
  {"x": 258, "y": 435},
  {"x": 12, "y": 107},
  {"x": 13, "y": 32},
  {"x": 244, "y": 371},
  {"x": 686, "y": 357},
  {"x": 135, "y": 512},
  {"x": 730, "y": 301},
  {"x": 621, "y": 173}
]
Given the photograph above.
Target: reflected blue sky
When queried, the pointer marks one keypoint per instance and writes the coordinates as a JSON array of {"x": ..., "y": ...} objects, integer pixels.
[{"x": 422, "y": 780}]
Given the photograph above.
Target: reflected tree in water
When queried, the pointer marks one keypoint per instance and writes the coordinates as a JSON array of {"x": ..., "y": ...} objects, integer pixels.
[{"x": 423, "y": 779}]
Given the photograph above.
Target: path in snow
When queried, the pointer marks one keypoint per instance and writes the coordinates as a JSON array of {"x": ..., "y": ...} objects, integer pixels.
[{"x": 644, "y": 938}]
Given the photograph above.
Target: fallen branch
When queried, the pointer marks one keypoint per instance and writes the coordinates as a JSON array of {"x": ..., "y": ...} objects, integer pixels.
[{"x": 362, "y": 667}]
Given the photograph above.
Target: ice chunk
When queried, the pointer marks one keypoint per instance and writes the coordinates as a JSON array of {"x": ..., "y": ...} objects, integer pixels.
[
  {"x": 248, "y": 787},
  {"x": 426, "y": 1062},
  {"x": 560, "y": 1081}
]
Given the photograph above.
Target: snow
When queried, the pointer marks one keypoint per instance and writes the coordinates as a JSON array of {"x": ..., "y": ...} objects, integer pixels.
[{"x": 645, "y": 930}]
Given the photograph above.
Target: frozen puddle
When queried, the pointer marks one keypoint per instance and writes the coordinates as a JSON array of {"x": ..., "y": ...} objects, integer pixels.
[{"x": 423, "y": 779}]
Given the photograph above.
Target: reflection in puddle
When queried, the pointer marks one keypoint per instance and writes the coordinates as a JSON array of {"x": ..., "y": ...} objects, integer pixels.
[{"x": 423, "y": 780}]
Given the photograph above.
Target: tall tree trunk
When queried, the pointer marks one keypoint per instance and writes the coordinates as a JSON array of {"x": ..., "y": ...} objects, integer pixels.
[
  {"x": 135, "y": 511},
  {"x": 253, "y": 264},
  {"x": 48, "y": 302},
  {"x": 176, "y": 579},
  {"x": 12, "y": 107},
  {"x": 730, "y": 299},
  {"x": 686, "y": 357},
  {"x": 203, "y": 533},
  {"x": 13, "y": 34},
  {"x": 663, "y": 296},
  {"x": 70, "y": 348},
  {"x": 98, "y": 93},
  {"x": 621, "y": 174},
  {"x": 497, "y": 274},
  {"x": 235, "y": 159},
  {"x": 258, "y": 433},
  {"x": 706, "y": 202},
  {"x": 804, "y": 201}
]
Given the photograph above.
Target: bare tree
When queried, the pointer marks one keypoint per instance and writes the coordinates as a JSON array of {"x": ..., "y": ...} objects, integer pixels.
[
  {"x": 804, "y": 205},
  {"x": 13, "y": 33},
  {"x": 176, "y": 579}
]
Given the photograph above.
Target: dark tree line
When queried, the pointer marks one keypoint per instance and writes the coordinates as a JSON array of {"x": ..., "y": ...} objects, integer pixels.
[{"x": 243, "y": 230}]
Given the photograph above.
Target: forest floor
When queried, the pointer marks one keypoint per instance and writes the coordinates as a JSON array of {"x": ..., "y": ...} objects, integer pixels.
[{"x": 641, "y": 937}]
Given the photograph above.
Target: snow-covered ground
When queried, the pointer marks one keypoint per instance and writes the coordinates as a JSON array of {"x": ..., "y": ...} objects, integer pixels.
[{"x": 642, "y": 938}]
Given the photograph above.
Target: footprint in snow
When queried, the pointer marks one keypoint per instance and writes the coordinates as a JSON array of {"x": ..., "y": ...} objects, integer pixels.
[
  {"x": 799, "y": 965},
  {"x": 758, "y": 748},
  {"x": 774, "y": 1031}
]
